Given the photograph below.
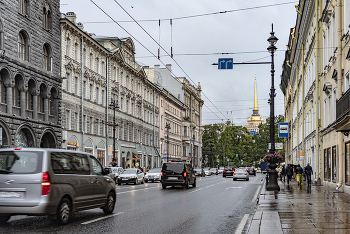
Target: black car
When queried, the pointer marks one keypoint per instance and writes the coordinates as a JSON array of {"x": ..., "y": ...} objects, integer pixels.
[
  {"x": 199, "y": 172},
  {"x": 178, "y": 173},
  {"x": 228, "y": 171},
  {"x": 252, "y": 171}
]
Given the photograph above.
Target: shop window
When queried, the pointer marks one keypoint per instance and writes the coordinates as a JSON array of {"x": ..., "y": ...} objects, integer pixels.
[{"x": 334, "y": 164}]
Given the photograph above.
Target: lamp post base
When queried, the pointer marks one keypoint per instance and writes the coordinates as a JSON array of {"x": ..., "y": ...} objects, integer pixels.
[{"x": 273, "y": 185}]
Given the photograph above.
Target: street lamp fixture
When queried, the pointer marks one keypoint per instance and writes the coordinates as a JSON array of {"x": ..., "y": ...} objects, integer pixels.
[
  {"x": 167, "y": 126},
  {"x": 114, "y": 105},
  {"x": 273, "y": 185}
]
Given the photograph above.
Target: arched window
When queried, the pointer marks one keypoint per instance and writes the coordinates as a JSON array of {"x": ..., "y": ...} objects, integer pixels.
[
  {"x": 22, "y": 46},
  {"x": 97, "y": 62},
  {"x": 23, "y": 7},
  {"x": 46, "y": 58}
]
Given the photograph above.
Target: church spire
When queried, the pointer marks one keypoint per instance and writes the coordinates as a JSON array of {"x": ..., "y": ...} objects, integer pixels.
[{"x": 255, "y": 99}]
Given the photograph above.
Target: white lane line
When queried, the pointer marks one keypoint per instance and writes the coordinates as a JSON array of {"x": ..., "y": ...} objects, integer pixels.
[
  {"x": 105, "y": 217},
  {"x": 196, "y": 190},
  {"x": 135, "y": 190},
  {"x": 256, "y": 194},
  {"x": 242, "y": 224},
  {"x": 232, "y": 188}
]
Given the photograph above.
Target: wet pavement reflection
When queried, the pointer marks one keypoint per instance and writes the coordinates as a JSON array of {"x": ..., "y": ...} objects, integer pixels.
[{"x": 302, "y": 209}]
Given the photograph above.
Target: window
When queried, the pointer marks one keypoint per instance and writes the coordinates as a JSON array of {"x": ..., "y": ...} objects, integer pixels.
[
  {"x": 127, "y": 106},
  {"x": 121, "y": 103},
  {"x": 90, "y": 92},
  {"x": 97, "y": 95},
  {"x": 67, "y": 120},
  {"x": 103, "y": 97},
  {"x": 102, "y": 129},
  {"x": 70, "y": 163},
  {"x": 67, "y": 46},
  {"x": 84, "y": 121},
  {"x": 67, "y": 82},
  {"x": 23, "y": 7},
  {"x": 103, "y": 68},
  {"x": 84, "y": 88},
  {"x": 76, "y": 85},
  {"x": 90, "y": 61},
  {"x": 97, "y": 62},
  {"x": 84, "y": 57},
  {"x": 46, "y": 58},
  {"x": 76, "y": 52},
  {"x": 132, "y": 108},
  {"x": 29, "y": 100},
  {"x": 90, "y": 125},
  {"x": 96, "y": 127},
  {"x": 75, "y": 119},
  {"x": 46, "y": 18},
  {"x": 22, "y": 52},
  {"x": 96, "y": 166}
]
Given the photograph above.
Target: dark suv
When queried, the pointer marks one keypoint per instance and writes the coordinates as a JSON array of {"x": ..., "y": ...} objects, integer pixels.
[
  {"x": 252, "y": 171},
  {"x": 178, "y": 173},
  {"x": 228, "y": 171}
]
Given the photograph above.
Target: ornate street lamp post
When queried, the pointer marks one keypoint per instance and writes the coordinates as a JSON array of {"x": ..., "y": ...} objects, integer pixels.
[
  {"x": 167, "y": 126},
  {"x": 193, "y": 156},
  {"x": 114, "y": 105},
  {"x": 273, "y": 185}
]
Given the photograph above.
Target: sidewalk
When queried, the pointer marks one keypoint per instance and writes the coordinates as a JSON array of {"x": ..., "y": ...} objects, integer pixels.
[{"x": 298, "y": 209}]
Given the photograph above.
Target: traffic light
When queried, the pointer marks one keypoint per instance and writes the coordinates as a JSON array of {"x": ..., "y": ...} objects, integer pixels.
[{"x": 190, "y": 159}]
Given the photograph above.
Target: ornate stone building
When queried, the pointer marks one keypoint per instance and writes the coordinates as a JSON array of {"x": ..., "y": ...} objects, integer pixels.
[
  {"x": 30, "y": 83},
  {"x": 255, "y": 120},
  {"x": 107, "y": 67}
]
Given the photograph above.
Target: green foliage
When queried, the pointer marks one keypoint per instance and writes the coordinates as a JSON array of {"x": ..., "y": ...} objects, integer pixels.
[{"x": 236, "y": 144}]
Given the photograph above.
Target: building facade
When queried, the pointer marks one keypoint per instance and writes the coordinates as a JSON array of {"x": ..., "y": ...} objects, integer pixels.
[
  {"x": 255, "y": 120},
  {"x": 317, "y": 91},
  {"x": 30, "y": 89},
  {"x": 107, "y": 67}
]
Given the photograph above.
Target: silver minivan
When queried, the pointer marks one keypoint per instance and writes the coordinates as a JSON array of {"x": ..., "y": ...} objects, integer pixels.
[{"x": 53, "y": 182}]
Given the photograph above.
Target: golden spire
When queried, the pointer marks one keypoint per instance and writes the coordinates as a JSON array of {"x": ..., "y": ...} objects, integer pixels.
[{"x": 255, "y": 98}]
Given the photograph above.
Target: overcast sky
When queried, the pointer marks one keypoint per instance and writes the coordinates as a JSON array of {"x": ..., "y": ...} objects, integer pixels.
[{"x": 242, "y": 30}]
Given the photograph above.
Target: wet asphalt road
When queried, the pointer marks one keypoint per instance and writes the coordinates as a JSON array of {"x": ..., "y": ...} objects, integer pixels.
[{"x": 216, "y": 205}]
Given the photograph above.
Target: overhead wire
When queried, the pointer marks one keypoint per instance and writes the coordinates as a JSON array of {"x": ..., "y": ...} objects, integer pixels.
[
  {"x": 165, "y": 52},
  {"x": 141, "y": 44}
]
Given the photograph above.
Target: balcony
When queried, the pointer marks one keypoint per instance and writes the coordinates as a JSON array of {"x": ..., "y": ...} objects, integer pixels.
[{"x": 343, "y": 113}]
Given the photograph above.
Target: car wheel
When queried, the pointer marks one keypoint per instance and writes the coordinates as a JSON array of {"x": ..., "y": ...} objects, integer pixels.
[
  {"x": 254, "y": 174},
  {"x": 186, "y": 185},
  {"x": 119, "y": 183},
  {"x": 143, "y": 181},
  {"x": 194, "y": 184},
  {"x": 136, "y": 182},
  {"x": 223, "y": 175},
  {"x": 234, "y": 179},
  {"x": 247, "y": 179},
  {"x": 146, "y": 181},
  {"x": 4, "y": 219},
  {"x": 63, "y": 211},
  {"x": 110, "y": 204},
  {"x": 163, "y": 186}
]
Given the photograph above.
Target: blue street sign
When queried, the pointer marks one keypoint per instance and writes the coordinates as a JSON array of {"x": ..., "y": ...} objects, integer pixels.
[
  {"x": 252, "y": 132},
  {"x": 283, "y": 130},
  {"x": 225, "y": 63}
]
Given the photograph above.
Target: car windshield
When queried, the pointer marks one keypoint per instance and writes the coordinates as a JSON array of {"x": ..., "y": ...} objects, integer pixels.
[
  {"x": 157, "y": 170},
  {"x": 175, "y": 167},
  {"x": 221, "y": 168},
  {"x": 241, "y": 170},
  {"x": 213, "y": 169},
  {"x": 129, "y": 171},
  {"x": 20, "y": 162}
]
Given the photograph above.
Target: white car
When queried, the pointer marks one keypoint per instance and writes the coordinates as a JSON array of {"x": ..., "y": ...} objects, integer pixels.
[
  {"x": 207, "y": 171},
  {"x": 115, "y": 172},
  {"x": 131, "y": 175},
  {"x": 153, "y": 175}
]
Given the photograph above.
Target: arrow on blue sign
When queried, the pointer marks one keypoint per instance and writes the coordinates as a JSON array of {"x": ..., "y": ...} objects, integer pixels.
[{"x": 225, "y": 63}]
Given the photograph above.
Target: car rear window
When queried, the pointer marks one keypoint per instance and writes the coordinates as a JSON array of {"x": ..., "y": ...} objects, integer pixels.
[
  {"x": 21, "y": 162},
  {"x": 154, "y": 170},
  {"x": 175, "y": 167}
]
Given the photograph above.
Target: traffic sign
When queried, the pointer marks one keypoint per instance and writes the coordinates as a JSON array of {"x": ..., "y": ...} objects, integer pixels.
[
  {"x": 228, "y": 159},
  {"x": 137, "y": 164},
  {"x": 252, "y": 133},
  {"x": 217, "y": 160},
  {"x": 187, "y": 161},
  {"x": 283, "y": 130},
  {"x": 225, "y": 63}
]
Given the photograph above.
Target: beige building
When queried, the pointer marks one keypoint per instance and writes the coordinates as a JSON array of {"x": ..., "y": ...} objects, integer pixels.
[
  {"x": 255, "y": 120},
  {"x": 98, "y": 70}
]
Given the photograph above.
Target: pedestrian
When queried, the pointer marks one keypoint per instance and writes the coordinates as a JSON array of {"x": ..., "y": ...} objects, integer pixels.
[
  {"x": 283, "y": 173},
  {"x": 308, "y": 172},
  {"x": 289, "y": 172},
  {"x": 299, "y": 172}
]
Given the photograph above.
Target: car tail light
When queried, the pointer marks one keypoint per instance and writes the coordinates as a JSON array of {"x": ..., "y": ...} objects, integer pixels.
[
  {"x": 161, "y": 173},
  {"x": 45, "y": 184},
  {"x": 245, "y": 173},
  {"x": 18, "y": 148},
  {"x": 234, "y": 173},
  {"x": 224, "y": 171},
  {"x": 185, "y": 174}
]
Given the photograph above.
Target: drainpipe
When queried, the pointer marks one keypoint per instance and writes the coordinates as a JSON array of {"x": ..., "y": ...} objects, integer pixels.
[
  {"x": 318, "y": 100},
  {"x": 107, "y": 105},
  {"x": 82, "y": 96},
  {"x": 154, "y": 120}
]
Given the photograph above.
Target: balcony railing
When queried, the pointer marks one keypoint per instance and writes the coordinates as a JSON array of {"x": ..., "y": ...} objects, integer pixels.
[{"x": 343, "y": 105}]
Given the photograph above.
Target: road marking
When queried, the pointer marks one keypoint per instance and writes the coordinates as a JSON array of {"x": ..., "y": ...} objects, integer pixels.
[
  {"x": 106, "y": 217},
  {"x": 256, "y": 194},
  {"x": 196, "y": 190},
  {"x": 135, "y": 190},
  {"x": 232, "y": 187},
  {"x": 242, "y": 224}
]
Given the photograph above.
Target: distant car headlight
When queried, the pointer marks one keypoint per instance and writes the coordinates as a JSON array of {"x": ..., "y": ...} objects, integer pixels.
[
  {"x": 132, "y": 177},
  {"x": 146, "y": 176},
  {"x": 158, "y": 175},
  {"x": 118, "y": 177}
]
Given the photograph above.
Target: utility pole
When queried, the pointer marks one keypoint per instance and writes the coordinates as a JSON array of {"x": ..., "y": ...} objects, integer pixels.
[
  {"x": 167, "y": 126},
  {"x": 224, "y": 155}
]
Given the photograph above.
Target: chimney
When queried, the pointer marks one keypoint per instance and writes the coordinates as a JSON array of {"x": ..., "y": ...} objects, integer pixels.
[
  {"x": 168, "y": 66},
  {"x": 80, "y": 26},
  {"x": 72, "y": 17}
]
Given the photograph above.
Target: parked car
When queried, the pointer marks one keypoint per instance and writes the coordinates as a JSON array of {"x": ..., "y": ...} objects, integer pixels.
[
  {"x": 240, "y": 174},
  {"x": 214, "y": 170},
  {"x": 207, "y": 171},
  {"x": 132, "y": 175},
  {"x": 115, "y": 172},
  {"x": 228, "y": 171},
  {"x": 53, "y": 182},
  {"x": 178, "y": 173},
  {"x": 221, "y": 169},
  {"x": 252, "y": 171},
  {"x": 199, "y": 172},
  {"x": 153, "y": 175}
]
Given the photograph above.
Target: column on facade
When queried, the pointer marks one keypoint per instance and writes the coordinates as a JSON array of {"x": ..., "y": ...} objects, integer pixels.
[
  {"x": 9, "y": 99},
  {"x": 35, "y": 105},
  {"x": 46, "y": 108},
  {"x": 23, "y": 102}
]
